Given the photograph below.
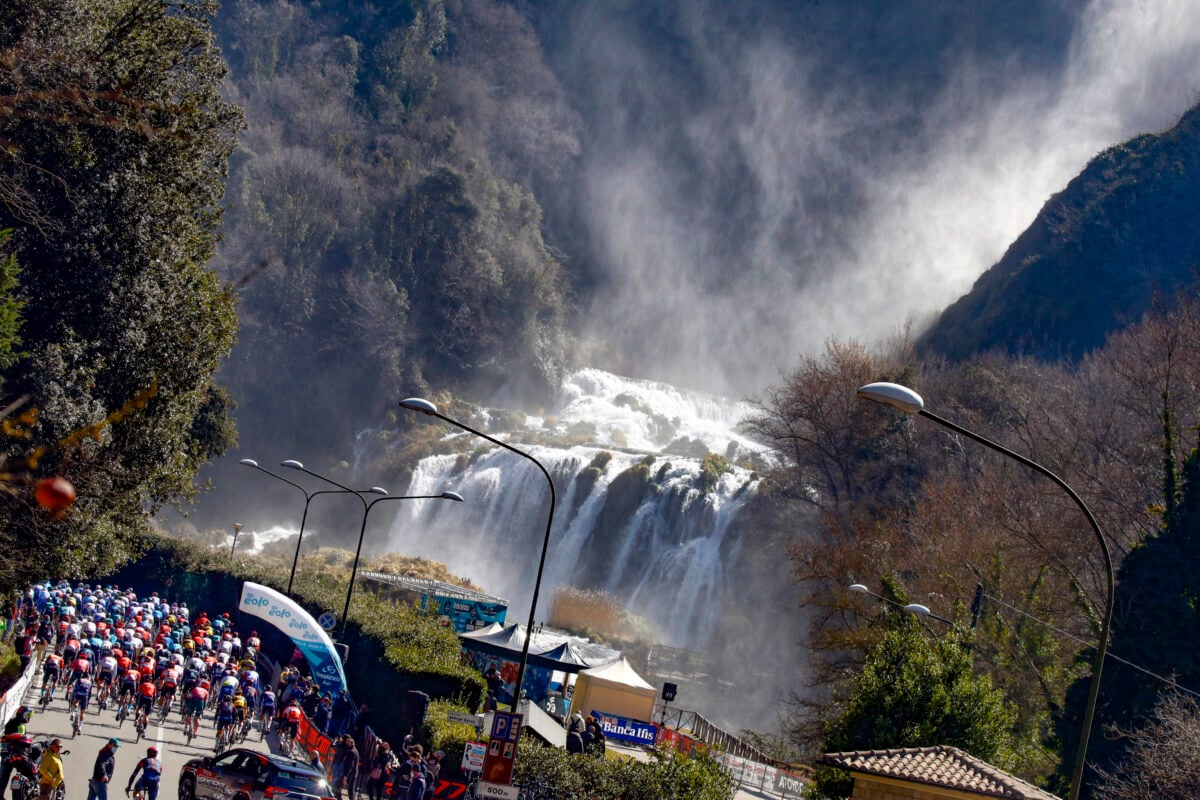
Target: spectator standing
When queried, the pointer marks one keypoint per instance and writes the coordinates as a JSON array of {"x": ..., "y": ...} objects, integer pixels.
[
  {"x": 335, "y": 766},
  {"x": 320, "y": 716},
  {"x": 383, "y": 762},
  {"x": 417, "y": 783},
  {"x": 433, "y": 766},
  {"x": 23, "y": 644},
  {"x": 597, "y": 746},
  {"x": 350, "y": 761},
  {"x": 102, "y": 770},
  {"x": 575, "y": 734},
  {"x": 50, "y": 770}
]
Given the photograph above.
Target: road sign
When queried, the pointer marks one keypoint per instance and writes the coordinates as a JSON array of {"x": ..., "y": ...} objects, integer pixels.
[
  {"x": 668, "y": 692},
  {"x": 474, "y": 720},
  {"x": 473, "y": 753},
  {"x": 327, "y": 621},
  {"x": 502, "y": 749},
  {"x": 496, "y": 790}
]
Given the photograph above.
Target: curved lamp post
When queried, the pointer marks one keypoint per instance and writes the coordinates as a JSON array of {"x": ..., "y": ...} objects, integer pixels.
[
  {"x": 354, "y": 571},
  {"x": 428, "y": 408},
  {"x": 308, "y": 497},
  {"x": 291, "y": 463},
  {"x": 910, "y": 402}
]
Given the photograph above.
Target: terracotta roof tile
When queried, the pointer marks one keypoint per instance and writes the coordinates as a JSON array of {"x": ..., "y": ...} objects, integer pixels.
[{"x": 942, "y": 766}]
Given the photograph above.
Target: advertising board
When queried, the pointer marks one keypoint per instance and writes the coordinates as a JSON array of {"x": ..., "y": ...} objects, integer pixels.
[{"x": 623, "y": 729}]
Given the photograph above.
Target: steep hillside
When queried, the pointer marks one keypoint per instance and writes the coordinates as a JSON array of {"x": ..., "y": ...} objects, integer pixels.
[{"x": 1094, "y": 259}]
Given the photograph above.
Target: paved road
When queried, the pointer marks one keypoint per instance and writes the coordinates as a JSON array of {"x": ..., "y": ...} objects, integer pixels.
[{"x": 100, "y": 727}]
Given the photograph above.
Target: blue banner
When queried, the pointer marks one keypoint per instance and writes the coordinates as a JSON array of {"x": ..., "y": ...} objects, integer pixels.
[
  {"x": 623, "y": 729},
  {"x": 465, "y": 615},
  {"x": 286, "y": 615}
]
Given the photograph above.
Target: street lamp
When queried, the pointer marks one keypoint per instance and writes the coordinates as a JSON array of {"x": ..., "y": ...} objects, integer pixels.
[
  {"x": 237, "y": 528},
  {"x": 292, "y": 463},
  {"x": 308, "y": 497},
  {"x": 354, "y": 570},
  {"x": 910, "y": 402},
  {"x": 911, "y": 608},
  {"x": 428, "y": 408}
]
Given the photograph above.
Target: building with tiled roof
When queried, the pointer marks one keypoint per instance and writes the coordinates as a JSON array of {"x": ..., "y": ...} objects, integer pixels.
[{"x": 929, "y": 773}]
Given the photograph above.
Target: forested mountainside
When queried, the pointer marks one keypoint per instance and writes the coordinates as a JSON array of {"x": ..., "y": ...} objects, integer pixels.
[
  {"x": 382, "y": 232},
  {"x": 1121, "y": 234}
]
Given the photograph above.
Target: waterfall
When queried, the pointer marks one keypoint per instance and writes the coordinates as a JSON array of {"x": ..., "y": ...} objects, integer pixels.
[{"x": 637, "y": 515}]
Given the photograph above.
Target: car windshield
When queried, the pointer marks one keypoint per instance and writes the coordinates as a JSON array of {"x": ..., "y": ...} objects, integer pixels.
[{"x": 305, "y": 781}]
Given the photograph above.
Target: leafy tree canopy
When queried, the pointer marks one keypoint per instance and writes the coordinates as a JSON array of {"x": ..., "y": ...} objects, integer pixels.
[{"x": 115, "y": 142}]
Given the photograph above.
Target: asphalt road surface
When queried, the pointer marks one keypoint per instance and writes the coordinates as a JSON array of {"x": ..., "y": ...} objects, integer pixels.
[{"x": 99, "y": 727}]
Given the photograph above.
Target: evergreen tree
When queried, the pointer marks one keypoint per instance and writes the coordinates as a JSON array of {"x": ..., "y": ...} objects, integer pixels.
[{"x": 918, "y": 691}]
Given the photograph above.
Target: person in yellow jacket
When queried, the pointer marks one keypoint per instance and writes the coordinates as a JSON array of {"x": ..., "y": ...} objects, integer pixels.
[{"x": 50, "y": 770}]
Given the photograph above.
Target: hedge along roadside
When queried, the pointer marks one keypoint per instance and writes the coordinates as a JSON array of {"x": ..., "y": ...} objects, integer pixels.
[{"x": 393, "y": 647}]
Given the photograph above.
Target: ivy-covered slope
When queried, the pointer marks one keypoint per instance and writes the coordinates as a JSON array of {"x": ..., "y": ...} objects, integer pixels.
[{"x": 1100, "y": 251}]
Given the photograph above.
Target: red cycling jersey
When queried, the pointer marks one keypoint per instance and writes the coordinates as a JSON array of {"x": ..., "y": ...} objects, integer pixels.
[{"x": 147, "y": 689}]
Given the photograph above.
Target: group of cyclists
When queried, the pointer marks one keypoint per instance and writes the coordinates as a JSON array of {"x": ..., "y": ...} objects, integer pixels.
[{"x": 150, "y": 656}]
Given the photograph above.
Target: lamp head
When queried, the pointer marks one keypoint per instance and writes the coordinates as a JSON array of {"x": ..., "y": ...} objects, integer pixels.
[
  {"x": 917, "y": 608},
  {"x": 894, "y": 395},
  {"x": 377, "y": 490},
  {"x": 452, "y": 496},
  {"x": 858, "y": 587},
  {"x": 248, "y": 462},
  {"x": 418, "y": 404},
  {"x": 292, "y": 463}
]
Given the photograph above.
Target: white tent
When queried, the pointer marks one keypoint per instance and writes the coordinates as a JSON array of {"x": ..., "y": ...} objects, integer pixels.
[{"x": 614, "y": 689}]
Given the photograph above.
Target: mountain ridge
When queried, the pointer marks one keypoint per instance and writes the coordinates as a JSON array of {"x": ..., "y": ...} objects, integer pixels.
[{"x": 1095, "y": 258}]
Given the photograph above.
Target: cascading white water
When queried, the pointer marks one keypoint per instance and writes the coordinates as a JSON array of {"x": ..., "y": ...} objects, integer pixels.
[{"x": 633, "y": 516}]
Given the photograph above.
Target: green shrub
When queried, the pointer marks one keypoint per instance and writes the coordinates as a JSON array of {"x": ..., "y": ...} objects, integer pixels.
[{"x": 670, "y": 776}]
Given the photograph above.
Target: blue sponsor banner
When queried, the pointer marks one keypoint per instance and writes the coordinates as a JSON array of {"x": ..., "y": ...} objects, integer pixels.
[
  {"x": 623, "y": 729},
  {"x": 285, "y": 614},
  {"x": 465, "y": 615}
]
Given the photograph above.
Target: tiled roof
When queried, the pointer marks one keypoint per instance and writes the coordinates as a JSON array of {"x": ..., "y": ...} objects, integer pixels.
[{"x": 947, "y": 767}]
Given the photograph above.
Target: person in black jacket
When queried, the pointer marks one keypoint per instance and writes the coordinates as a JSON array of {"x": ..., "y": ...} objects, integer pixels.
[
  {"x": 102, "y": 770},
  {"x": 349, "y": 768}
]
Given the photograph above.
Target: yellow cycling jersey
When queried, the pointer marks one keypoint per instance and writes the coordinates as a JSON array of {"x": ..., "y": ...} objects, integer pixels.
[{"x": 239, "y": 701}]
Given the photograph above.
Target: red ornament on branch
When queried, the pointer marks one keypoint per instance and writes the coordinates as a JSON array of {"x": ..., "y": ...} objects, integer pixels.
[{"x": 54, "y": 494}]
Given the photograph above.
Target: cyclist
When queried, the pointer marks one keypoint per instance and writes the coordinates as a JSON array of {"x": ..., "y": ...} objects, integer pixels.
[
  {"x": 266, "y": 710},
  {"x": 289, "y": 724},
  {"x": 224, "y": 718},
  {"x": 107, "y": 673},
  {"x": 80, "y": 696},
  {"x": 129, "y": 683},
  {"x": 167, "y": 685},
  {"x": 240, "y": 711},
  {"x": 81, "y": 666},
  {"x": 151, "y": 769},
  {"x": 197, "y": 698},
  {"x": 52, "y": 670},
  {"x": 229, "y": 685},
  {"x": 145, "y": 700}
]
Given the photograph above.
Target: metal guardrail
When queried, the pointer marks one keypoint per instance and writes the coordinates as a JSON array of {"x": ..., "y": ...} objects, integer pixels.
[{"x": 699, "y": 728}]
